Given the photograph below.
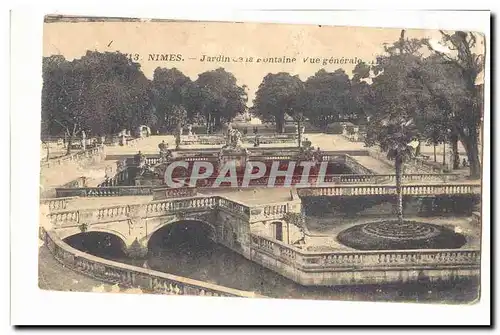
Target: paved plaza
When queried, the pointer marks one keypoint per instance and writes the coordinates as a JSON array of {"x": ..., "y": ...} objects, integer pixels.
[{"x": 322, "y": 231}]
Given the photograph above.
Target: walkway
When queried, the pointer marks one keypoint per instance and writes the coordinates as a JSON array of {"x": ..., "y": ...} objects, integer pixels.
[
  {"x": 255, "y": 196},
  {"x": 322, "y": 230},
  {"x": 333, "y": 142},
  {"x": 149, "y": 146},
  {"x": 98, "y": 202},
  {"x": 374, "y": 164},
  {"x": 56, "y": 177}
]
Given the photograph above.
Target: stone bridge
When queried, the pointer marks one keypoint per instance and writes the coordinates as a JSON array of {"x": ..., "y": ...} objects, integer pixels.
[{"x": 229, "y": 221}]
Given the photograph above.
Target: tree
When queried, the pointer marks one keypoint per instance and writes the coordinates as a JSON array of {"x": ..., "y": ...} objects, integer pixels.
[
  {"x": 462, "y": 92},
  {"x": 171, "y": 91},
  {"x": 361, "y": 97},
  {"x": 100, "y": 93},
  {"x": 62, "y": 95},
  {"x": 328, "y": 96},
  {"x": 217, "y": 98},
  {"x": 398, "y": 99},
  {"x": 278, "y": 95},
  {"x": 436, "y": 133}
]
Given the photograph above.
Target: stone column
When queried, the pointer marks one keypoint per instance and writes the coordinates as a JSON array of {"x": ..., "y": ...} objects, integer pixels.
[{"x": 137, "y": 243}]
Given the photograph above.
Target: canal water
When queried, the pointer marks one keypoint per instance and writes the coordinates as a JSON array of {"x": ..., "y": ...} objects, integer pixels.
[{"x": 183, "y": 250}]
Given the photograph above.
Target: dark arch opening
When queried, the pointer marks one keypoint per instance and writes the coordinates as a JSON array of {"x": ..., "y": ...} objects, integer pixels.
[
  {"x": 101, "y": 244},
  {"x": 182, "y": 235}
]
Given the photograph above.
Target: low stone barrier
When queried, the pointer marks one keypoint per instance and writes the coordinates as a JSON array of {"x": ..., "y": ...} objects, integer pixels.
[
  {"x": 379, "y": 184},
  {"x": 221, "y": 140},
  {"x": 56, "y": 204},
  {"x": 108, "y": 191},
  {"x": 147, "y": 280},
  {"x": 74, "y": 157},
  {"x": 363, "y": 267},
  {"x": 362, "y": 190},
  {"x": 416, "y": 163}
]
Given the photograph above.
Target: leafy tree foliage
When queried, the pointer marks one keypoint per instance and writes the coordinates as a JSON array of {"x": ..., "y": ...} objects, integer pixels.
[
  {"x": 453, "y": 79},
  {"x": 171, "y": 95},
  {"x": 217, "y": 98},
  {"x": 278, "y": 95},
  {"x": 100, "y": 93}
]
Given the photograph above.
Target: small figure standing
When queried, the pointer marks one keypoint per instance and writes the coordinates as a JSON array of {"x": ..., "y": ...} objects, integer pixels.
[{"x": 464, "y": 163}]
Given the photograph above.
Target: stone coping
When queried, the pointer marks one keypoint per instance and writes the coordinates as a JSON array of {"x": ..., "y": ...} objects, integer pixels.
[
  {"x": 304, "y": 252},
  {"x": 152, "y": 274}
]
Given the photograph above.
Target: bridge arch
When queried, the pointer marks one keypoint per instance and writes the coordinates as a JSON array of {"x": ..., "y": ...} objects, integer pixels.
[
  {"x": 99, "y": 242},
  {"x": 180, "y": 230}
]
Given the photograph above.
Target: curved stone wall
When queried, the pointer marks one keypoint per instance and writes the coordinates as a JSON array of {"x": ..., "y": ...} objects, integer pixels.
[{"x": 147, "y": 280}]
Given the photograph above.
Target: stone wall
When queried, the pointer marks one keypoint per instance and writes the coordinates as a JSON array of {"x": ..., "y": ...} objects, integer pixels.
[
  {"x": 132, "y": 276},
  {"x": 291, "y": 233},
  {"x": 364, "y": 267},
  {"x": 70, "y": 168}
]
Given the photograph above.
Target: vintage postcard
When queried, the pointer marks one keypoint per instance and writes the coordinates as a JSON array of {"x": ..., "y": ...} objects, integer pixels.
[{"x": 261, "y": 160}]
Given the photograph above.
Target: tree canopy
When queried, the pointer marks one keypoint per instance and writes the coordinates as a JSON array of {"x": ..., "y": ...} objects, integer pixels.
[
  {"x": 217, "y": 98},
  {"x": 100, "y": 93}
]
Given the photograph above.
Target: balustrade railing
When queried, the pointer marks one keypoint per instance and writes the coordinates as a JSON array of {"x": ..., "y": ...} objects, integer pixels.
[
  {"x": 77, "y": 156},
  {"x": 383, "y": 259},
  {"x": 106, "y": 191},
  {"x": 57, "y": 203},
  {"x": 418, "y": 163},
  {"x": 233, "y": 206},
  {"x": 152, "y": 209},
  {"x": 60, "y": 217},
  {"x": 428, "y": 189},
  {"x": 322, "y": 185},
  {"x": 221, "y": 140},
  {"x": 132, "y": 276}
]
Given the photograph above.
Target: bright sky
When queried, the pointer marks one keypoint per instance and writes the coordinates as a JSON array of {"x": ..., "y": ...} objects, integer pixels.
[{"x": 192, "y": 40}]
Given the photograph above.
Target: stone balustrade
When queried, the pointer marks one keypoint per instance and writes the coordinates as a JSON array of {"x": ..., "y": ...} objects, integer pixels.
[
  {"x": 147, "y": 280},
  {"x": 164, "y": 207},
  {"x": 165, "y": 193},
  {"x": 74, "y": 157},
  {"x": 153, "y": 160},
  {"x": 107, "y": 191},
  {"x": 389, "y": 178},
  {"x": 418, "y": 163},
  {"x": 205, "y": 139},
  {"x": 354, "y": 266},
  {"x": 57, "y": 204},
  {"x": 423, "y": 190},
  {"x": 365, "y": 185},
  {"x": 234, "y": 207},
  {"x": 274, "y": 211}
]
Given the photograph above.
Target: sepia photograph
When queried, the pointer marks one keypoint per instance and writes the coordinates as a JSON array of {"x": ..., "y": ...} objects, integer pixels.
[{"x": 261, "y": 160}]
